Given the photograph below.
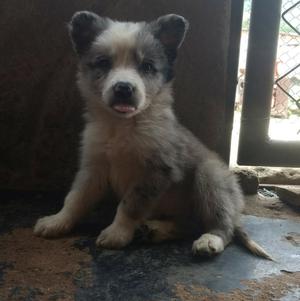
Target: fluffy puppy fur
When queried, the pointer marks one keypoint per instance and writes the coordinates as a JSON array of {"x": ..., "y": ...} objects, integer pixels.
[{"x": 164, "y": 176}]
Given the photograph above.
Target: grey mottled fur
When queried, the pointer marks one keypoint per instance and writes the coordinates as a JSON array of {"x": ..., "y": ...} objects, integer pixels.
[{"x": 157, "y": 166}]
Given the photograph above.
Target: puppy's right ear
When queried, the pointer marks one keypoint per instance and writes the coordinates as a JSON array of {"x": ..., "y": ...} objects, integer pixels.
[{"x": 84, "y": 27}]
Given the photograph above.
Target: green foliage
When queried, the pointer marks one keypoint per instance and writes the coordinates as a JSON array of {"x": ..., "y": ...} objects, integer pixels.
[
  {"x": 285, "y": 28},
  {"x": 246, "y": 16},
  {"x": 247, "y": 6}
]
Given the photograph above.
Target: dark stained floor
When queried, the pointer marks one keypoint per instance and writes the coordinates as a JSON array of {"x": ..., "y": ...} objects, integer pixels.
[{"x": 72, "y": 268}]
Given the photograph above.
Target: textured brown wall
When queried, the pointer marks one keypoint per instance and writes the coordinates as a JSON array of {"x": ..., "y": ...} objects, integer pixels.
[{"x": 40, "y": 107}]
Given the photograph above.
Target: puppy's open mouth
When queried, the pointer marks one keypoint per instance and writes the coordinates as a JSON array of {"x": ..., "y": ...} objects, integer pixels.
[{"x": 124, "y": 108}]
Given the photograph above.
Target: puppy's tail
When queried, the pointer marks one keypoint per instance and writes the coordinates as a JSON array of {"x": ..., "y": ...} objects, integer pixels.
[{"x": 250, "y": 244}]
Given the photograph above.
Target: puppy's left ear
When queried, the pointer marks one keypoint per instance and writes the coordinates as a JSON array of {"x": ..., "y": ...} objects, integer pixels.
[{"x": 170, "y": 31}]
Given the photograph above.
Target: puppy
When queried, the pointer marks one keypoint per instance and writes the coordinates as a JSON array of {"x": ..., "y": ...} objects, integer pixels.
[{"x": 164, "y": 176}]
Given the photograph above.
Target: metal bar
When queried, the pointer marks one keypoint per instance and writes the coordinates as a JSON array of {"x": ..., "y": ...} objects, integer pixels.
[
  {"x": 236, "y": 19},
  {"x": 260, "y": 66},
  {"x": 271, "y": 153}
]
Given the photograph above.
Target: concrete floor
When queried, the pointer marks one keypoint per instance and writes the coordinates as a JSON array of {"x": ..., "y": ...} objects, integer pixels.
[{"x": 71, "y": 268}]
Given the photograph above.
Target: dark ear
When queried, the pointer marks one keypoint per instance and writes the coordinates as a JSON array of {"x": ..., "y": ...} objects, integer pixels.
[
  {"x": 84, "y": 27},
  {"x": 170, "y": 31}
]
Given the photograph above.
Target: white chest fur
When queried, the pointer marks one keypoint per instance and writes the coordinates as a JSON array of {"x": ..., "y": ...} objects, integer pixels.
[{"x": 124, "y": 156}]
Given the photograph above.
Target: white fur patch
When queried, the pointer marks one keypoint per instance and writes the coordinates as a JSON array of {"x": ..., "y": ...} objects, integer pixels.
[
  {"x": 208, "y": 244},
  {"x": 53, "y": 225},
  {"x": 114, "y": 237},
  {"x": 118, "y": 35},
  {"x": 119, "y": 234}
]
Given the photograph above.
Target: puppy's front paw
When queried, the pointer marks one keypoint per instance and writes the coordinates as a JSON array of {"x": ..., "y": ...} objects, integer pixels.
[
  {"x": 115, "y": 237},
  {"x": 53, "y": 225},
  {"x": 208, "y": 244}
]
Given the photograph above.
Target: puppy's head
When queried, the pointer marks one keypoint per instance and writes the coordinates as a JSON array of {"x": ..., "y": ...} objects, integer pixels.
[{"x": 123, "y": 65}]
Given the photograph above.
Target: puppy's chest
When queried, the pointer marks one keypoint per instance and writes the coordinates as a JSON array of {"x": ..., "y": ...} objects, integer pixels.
[{"x": 125, "y": 161}]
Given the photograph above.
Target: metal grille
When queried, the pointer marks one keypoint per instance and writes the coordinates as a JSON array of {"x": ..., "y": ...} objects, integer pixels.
[{"x": 287, "y": 74}]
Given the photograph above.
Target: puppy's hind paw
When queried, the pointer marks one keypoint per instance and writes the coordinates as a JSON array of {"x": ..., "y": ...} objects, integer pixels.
[
  {"x": 208, "y": 244},
  {"x": 52, "y": 226}
]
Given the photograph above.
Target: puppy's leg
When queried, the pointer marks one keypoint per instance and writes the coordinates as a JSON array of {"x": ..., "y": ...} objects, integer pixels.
[
  {"x": 86, "y": 190},
  {"x": 120, "y": 232},
  {"x": 218, "y": 202},
  {"x": 215, "y": 240},
  {"x": 163, "y": 230},
  {"x": 136, "y": 206},
  {"x": 219, "y": 224}
]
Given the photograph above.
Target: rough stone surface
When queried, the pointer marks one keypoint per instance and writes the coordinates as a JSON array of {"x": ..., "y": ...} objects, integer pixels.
[
  {"x": 271, "y": 207},
  {"x": 248, "y": 180},
  {"x": 272, "y": 175},
  {"x": 278, "y": 175},
  {"x": 289, "y": 194}
]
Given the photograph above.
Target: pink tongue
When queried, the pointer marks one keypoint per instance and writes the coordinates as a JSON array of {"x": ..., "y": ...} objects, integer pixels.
[{"x": 124, "y": 108}]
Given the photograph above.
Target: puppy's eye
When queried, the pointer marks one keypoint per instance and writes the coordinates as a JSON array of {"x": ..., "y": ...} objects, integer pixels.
[
  {"x": 148, "y": 67},
  {"x": 102, "y": 62}
]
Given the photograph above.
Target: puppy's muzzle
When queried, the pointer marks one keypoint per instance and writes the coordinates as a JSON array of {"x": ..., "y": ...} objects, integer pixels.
[{"x": 123, "y": 99}]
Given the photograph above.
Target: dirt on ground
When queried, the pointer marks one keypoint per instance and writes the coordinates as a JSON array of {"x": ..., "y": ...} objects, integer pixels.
[
  {"x": 277, "y": 175},
  {"x": 38, "y": 268},
  {"x": 266, "y": 289},
  {"x": 271, "y": 207}
]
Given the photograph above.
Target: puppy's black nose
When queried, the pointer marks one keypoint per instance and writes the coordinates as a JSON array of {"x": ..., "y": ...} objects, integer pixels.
[{"x": 123, "y": 90}]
